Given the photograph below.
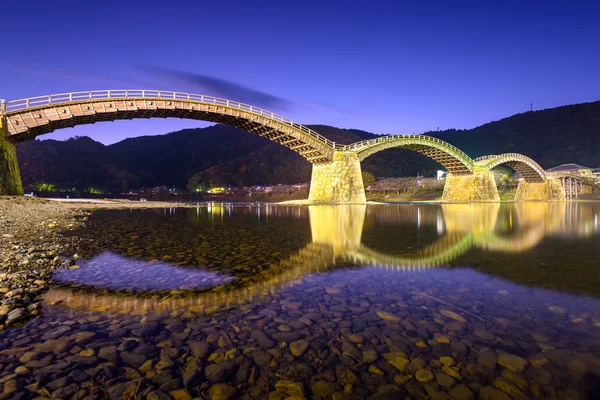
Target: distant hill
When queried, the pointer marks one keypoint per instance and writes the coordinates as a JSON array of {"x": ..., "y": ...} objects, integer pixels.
[
  {"x": 551, "y": 137},
  {"x": 232, "y": 156}
]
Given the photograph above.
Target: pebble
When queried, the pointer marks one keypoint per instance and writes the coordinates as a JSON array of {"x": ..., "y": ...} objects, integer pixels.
[
  {"x": 512, "y": 362},
  {"x": 289, "y": 387},
  {"x": 322, "y": 389},
  {"x": 452, "y": 315},
  {"x": 424, "y": 375},
  {"x": 299, "y": 347},
  {"x": 388, "y": 316},
  {"x": 221, "y": 391}
]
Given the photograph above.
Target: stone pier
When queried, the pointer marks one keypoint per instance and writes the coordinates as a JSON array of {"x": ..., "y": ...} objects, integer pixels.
[
  {"x": 481, "y": 186},
  {"x": 10, "y": 177},
  {"x": 551, "y": 189},
  {"x": 339, "y": 181}
]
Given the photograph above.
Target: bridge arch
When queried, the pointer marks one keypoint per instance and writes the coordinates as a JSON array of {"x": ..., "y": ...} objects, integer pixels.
[
  {"x": 453, "y": 159},
  {"x": 27, "y": 118},
  {"x": 527, "y": 168}
]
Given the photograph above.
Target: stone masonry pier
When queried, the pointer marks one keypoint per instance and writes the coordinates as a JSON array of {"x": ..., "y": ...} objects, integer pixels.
[
  {"x": 550, "y": 189},
  {"x": 339, "y": 181},
  {"x": 480, "y": 186}
]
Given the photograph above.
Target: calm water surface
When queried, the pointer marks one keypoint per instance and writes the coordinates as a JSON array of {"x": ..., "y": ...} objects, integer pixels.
[{"x": 348, "y": 302}]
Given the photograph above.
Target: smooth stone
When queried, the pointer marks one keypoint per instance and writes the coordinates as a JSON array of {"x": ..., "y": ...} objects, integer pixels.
[
  {"x": 28, "y": 356},
  {"x": 200, "y": 350},
  {"x": 388, "y": 316},
  {"x": 289, "y": 387},
  {"x": 287, "y": 337},
  {"x": 262, "y": 339},
  {"x": 109, "y": 353},
  {"x": 15, "y": 315},
  {"x": 349, "y": 348},
  {"x": 449, "y": 361},
  {"x": 489, "y": 393},
  {"x": 441, "y": 338},
  {"x": 416, "y": 364},
  {"x": 299, "y": 347},
  {"x": 158, "y": 395},
  {"x": 220, "y": 391},
  {"x": 507, "y": 387},
  {"x": 12, "y": 386},
  {"x": 485, "y": 335},
  {"x": 322, "y": 389},
  {"x": 262, "y": 358},
  {"x": 461, "y": 392},
  {"x": 333, "y": 290},
  {"x": 180, "y": 394},
  {"x": 444, "y": 380},
  {"x": 452, "y": 315},
  {"x": 79, "y": 376},
  {"x": 59, "y": 383},
  {"x": 424, "y": 375},
  {"x": 400, "y": 363},
  {"x": 219, "y": 372},
  {"x": 191, "y": 375},
  {"x": 119, "y": 333},
  {"x": 85, "y": 360},
  {"x": 512, "y": 362},
  {"x": 133, "y": 359},
  {"x": 355, "y": 338},
  {"x": 487, "y": 359},
  {"x": 148, "y": 329},
  {"x": 451, "y": 372},
  {"x": 516, "y": 379},
  {"x": 375, "y": 370},
  {"x": 145, "y": 349}
]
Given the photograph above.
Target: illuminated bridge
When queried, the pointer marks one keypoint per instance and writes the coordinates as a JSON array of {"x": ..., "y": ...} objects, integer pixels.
[{"x": 336, "y": 176}]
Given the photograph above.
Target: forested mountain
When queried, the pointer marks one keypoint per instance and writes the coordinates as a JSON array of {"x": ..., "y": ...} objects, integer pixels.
[{"x": 227, "y": 155}]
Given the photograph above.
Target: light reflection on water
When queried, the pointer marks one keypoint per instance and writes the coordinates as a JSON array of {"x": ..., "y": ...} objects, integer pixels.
[{"x": 117, "y": 272}]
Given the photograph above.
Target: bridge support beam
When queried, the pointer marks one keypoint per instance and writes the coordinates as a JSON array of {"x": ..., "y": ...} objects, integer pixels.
[
  {"x": 551, "y": 189},
  {"x": 10, "y": 177},
  {"x": 339, "y": 181},
  {"x": 480, "y": 186}
]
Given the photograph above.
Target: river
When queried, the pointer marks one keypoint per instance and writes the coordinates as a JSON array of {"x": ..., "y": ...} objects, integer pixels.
[{"x": 463, "y": 301}]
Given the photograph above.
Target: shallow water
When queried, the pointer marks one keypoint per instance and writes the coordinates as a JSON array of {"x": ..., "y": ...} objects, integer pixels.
[{"x": 385, "y": 301}]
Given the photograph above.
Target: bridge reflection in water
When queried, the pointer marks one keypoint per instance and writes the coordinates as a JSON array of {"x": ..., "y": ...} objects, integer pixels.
[{"x": 338, "y": 242}]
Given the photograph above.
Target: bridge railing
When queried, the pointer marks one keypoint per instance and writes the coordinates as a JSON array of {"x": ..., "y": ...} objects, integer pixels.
[
  {"x": 15, "y": 106},
  {"x": 368, "y": 143},
  {"x": 485, "y": 157}
]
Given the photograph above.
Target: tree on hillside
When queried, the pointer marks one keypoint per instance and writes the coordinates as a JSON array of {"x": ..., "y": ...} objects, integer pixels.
[{"x": 368, "y": 179}]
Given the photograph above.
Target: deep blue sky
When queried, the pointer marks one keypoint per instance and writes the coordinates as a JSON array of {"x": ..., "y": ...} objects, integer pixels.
[{"x": 381, "y": 66}]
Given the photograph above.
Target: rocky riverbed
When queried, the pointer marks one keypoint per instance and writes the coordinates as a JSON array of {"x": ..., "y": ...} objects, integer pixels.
[{"x": 298, "y": 321}]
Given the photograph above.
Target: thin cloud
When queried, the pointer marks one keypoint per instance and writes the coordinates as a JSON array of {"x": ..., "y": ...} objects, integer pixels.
[{"x": 210, "y": 85}]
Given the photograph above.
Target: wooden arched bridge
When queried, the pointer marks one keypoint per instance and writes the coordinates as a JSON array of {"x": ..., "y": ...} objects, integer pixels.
[{"x": 336, "y": 168}]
